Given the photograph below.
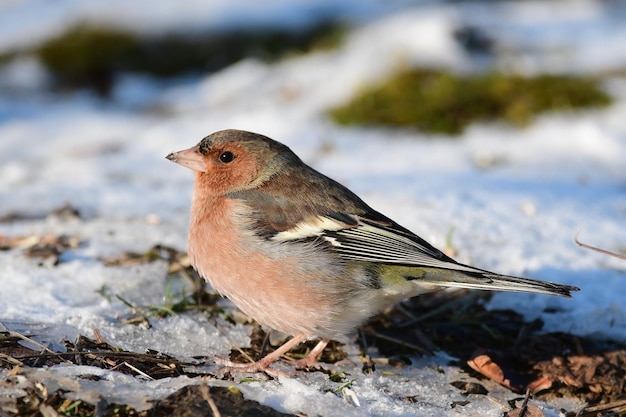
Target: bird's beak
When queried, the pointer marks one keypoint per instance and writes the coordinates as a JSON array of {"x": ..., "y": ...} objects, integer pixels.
[{"x": 190, "y": 158}]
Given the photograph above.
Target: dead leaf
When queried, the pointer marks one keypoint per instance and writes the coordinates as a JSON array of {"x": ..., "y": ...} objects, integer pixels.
[
  {"x": 483, "y": 364},
  {"x": 539, "y": 384}
]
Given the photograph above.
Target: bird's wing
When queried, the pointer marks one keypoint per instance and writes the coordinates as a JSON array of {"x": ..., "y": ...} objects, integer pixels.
[
  {"x": 380, "y": 240},
  {"x": 385, "y": 243}
]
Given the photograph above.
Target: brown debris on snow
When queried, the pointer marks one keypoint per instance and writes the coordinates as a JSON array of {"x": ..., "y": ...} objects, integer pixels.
[
  {"x": 500, "y": 346},
  {"x": 49, "y": 247}
]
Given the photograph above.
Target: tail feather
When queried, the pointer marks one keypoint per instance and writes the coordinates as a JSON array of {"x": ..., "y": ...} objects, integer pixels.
[{"x": 484, "y": 280}]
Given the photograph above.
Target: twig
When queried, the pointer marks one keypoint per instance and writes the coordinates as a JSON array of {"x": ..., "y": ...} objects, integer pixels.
[
  {"x": 397, "y": 341},
  {"x": 96, "y": 353},
  {"x": 11, "y": 360},
  {"x": 368, "y": 365},
  {"x": 241, "y": 351},
  {"x": 28, "y": 339},
  {"x": 139, "y": 371},
  {"x": 98, "y": 336},
  {"x": 524, "y": 407},
  {"x": 614, "y": 406},
  {"x": 594, "y": 248},
  {"x": 204, "y": 390},
  {"x": 458, "y": 297}
]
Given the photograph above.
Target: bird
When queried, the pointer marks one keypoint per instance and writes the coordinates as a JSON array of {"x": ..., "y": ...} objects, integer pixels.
[{"x": 302, "y": 254}]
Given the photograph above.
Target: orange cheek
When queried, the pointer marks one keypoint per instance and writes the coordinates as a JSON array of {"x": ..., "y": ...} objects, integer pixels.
[
  {"x": 224, "y": 178},
  {"x": 243, "y": 172}
]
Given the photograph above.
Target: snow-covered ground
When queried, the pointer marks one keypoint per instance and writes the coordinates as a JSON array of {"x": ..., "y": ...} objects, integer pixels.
[{"x": 515, "y": 198}]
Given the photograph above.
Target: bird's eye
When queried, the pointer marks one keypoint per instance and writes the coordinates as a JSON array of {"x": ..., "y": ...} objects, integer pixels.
[{"x": 227, "y": 157}]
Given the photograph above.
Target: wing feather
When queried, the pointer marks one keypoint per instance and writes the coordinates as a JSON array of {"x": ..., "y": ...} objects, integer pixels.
[{"x": 370, "y": 242}]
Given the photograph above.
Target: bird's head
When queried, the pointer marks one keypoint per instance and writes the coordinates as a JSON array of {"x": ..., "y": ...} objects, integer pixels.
[{"x": 234, "y": 160}]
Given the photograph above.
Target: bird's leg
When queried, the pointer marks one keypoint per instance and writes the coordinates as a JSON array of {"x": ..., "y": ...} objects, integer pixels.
[
  {"x": 310, "y": 360},
  {"x": 264, "y": 363}
]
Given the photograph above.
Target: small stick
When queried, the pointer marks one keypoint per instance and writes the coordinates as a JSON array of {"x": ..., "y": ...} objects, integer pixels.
[
  {"x": 397, "y": 341},
  {"x": 139, "y": 371},
  {"x": 34, "y": 342},
  {"x": 524, "y": 407},
  {"x": 594, "y": 248},
  {"x": 11, "y": 360},
  {"x": 204, "y": 390}
]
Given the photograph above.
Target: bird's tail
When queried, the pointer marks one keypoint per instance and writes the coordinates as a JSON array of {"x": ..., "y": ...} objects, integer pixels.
[
  {"x": 474, "y": 278},
  {"x": 495, "y": 282}
]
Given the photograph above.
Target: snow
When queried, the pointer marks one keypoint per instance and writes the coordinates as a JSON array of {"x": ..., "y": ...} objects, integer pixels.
[{"x": 514, "y": 198}]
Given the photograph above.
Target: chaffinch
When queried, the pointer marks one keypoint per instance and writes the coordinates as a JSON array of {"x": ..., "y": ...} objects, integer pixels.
[{"x": 301, "y": 253}]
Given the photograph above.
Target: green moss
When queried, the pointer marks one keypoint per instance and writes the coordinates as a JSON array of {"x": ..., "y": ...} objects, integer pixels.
[
  {"x": 440, "y": 102},
  {"x": 6, "y": 57},
  {"x": 85, "y": 55},
  {"x": 92, "y": 56}
]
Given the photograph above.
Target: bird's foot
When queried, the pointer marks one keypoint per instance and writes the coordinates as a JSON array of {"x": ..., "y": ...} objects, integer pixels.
[
  {"x": 311, "y": 360},
  {"x": 263, "y": 364}
]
